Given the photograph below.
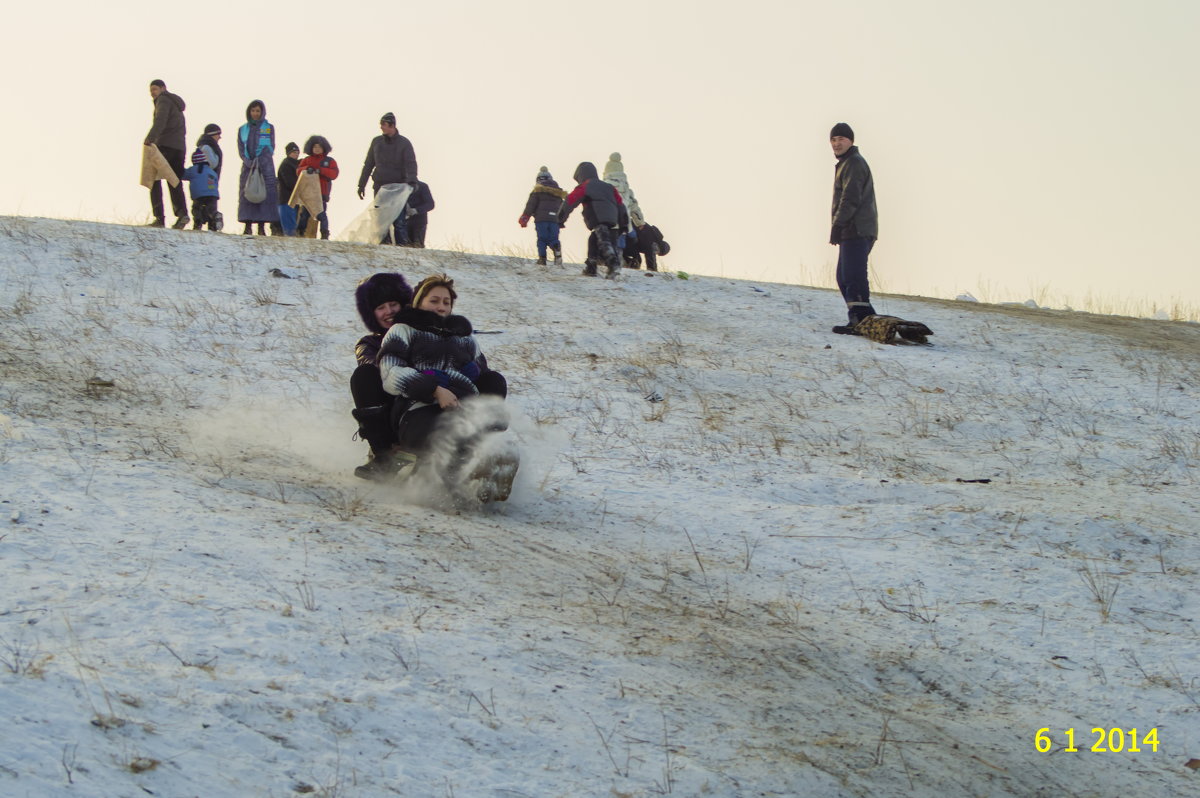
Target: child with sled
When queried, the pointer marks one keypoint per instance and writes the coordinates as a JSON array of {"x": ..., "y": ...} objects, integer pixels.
[{"x": 316, "y": 161}]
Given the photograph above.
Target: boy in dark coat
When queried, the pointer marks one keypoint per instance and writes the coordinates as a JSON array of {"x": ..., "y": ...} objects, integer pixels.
[
  {"x": 649, "y": 242},
  {"x": 286, "y": 177},
  {"x": 420, "y": 203},
  {"x": 604, "y": 214},
  {"x": 542, "y": 206}
]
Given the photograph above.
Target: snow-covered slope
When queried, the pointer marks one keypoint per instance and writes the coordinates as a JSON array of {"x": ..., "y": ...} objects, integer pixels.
[{"x": 745, "y": 557}]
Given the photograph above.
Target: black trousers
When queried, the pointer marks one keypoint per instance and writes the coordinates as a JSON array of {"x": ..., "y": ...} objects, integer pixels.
[
  {"x": 178, "y": 201},
  {"x": 415, "y": 427},
  {"x": 416, "y": 230}
]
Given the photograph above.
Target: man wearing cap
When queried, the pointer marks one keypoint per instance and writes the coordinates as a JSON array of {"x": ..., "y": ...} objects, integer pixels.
[
  {"x": 169, "y": 133},
  {"x": 390, "y": 159},
  {"x": 855, "y": 224}
]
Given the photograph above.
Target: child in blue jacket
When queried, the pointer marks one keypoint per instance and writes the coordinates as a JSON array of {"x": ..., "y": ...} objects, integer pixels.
[{"x": 202, "y": 181}]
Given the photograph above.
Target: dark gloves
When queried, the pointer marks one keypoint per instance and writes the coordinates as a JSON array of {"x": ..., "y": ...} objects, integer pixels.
[
  {"x": 836, "y": 233},
  {"x": 310, "y": 171},
  {"x": 362, "y": 192}
]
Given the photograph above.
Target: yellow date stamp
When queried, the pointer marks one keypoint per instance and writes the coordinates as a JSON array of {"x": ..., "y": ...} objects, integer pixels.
[{"x": 1101, "y": 739}]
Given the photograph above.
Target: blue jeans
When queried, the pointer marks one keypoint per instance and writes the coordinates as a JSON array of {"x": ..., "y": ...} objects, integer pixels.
[
  {"x": 547, "y": 236},
  {"x": 287, "y": 219},
  {"x": 852, "y": 277}
]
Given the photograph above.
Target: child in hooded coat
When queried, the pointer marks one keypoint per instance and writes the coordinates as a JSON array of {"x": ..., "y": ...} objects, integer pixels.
[
  {"x": 316, "y": 160},
  {"x": 542, "y": 206},
  {"x": 604, "y": 214}
]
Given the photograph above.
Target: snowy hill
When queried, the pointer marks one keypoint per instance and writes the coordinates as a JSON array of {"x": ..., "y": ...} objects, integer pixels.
[{"x": 745, "y": 557}]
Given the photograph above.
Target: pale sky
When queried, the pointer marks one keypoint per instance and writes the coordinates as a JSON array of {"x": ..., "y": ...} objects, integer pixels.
[{"x": 1020, "y": 149}]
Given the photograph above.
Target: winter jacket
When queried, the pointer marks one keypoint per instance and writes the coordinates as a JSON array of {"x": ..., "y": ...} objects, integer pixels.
[
  {"x": 213, "y": 150},
  {"x": 255, "y": 138},
  {"x": 169, "y": 128},
  {"x": 854, "y": 212},
  {"x": 202, "y": 180},
  {"x": 649, "y": 236},
  {"x": 391, "y": 159},
  {"x": 423, "y": 350},
  {"x": 325, "y": 166},
  {"x": 543, "y": 203},
  {"x": 602, "y": 204},
  {"x": 420, "y": 202},
  {"x": 287, "y": 179}
]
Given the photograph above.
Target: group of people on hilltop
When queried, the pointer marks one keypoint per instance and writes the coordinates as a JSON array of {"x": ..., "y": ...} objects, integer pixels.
[
  {"x": 619, "y": 234},
  {"x": 283, "y": 199}
]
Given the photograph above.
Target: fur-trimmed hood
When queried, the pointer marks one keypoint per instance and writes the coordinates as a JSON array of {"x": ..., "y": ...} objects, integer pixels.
[
  {"x": 314, "y": 140},
  {"x": 553, "y": 190},
  {"x": 373, "y": 291},
  {"x": 428, "y": 321}
]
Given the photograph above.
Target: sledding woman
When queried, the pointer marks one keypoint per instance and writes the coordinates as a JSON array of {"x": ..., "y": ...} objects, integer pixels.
[
  {"x": 430, "y": 361},
  {"x": 379, "y": 298},
  {"x": 256, "y": 145}
]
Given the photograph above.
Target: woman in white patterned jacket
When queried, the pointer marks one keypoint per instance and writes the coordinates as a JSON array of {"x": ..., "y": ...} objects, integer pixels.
[{"x": 431, "y": 362}]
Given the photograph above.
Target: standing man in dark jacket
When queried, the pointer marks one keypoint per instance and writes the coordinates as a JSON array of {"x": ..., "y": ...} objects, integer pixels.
[
  {"x": 169, "y": 133},
  {"x": 420, "y": 203},
  {"x": 604, "y": 214},
  {"x": 390, "y": 159},
  {"x": 855, "y": 224}
]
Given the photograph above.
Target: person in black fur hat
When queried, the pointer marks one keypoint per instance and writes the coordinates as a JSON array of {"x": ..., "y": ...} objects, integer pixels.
[{"x": 379, "y": 298}]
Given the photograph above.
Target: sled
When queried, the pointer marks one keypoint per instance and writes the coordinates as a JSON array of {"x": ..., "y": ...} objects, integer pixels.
[{"x": 373, "y": 225}]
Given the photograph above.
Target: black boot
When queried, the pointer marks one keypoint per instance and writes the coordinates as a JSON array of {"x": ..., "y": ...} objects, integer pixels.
[{"x": 374, "y": 427}]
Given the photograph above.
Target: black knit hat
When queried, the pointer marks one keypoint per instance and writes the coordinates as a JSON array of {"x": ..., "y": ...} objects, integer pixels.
[
  {"x": 842, "y": 129},
  {"x": 291, "y": 147},
  {"x": 389, "y": 117},
  {"x": 158, "y": 82},
  {"x": 212, "y": 129}
]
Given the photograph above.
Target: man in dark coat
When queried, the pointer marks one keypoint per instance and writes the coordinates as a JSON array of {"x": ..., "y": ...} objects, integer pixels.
[
  {"x": 420, "y": 203},
  {"x": 649, "y": 242},
  {"x": 169, "y": 133},
  {"x": 390, "y": 159},
  {"x": 855, "y": 223},
  {"x": 604, "y": 214}
]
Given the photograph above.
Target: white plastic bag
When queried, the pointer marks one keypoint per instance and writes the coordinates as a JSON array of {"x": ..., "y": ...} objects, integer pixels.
[
  {"x": 255, "y": 190},
  {"x": 370, "y": 226}
]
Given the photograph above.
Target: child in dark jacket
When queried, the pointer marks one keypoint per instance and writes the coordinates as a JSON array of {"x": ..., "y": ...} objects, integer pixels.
[
  {"x": 316, "y": 160},
  {"x": 542, "y": 206},
  {"x": 203, "y": 181},
  {"x": 286, "y": 177},
  {"x": 604, "y": 214}
]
